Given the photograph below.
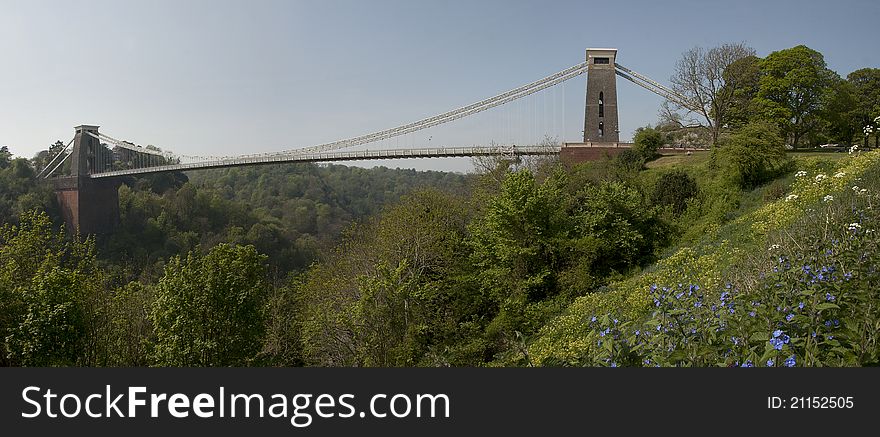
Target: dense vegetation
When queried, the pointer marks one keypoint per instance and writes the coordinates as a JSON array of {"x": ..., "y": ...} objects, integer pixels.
[{"x": 744, "y": 255}]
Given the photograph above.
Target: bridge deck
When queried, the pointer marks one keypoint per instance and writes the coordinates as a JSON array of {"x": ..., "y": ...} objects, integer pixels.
[{"x": 356, "y": 155}]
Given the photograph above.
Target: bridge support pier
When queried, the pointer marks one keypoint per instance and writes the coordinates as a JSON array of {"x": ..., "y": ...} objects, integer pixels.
[{"x": 89, "y": 206}]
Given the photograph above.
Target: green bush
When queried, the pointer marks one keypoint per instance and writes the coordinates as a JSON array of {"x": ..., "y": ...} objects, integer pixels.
[
  {"x": 647, "y": 141},
  {"x": 674, "y": 189},
  {"x": 752, "y": 155}
]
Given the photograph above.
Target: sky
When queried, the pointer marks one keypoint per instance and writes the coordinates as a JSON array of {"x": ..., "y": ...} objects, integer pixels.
[{"x": 239, "y": 77}]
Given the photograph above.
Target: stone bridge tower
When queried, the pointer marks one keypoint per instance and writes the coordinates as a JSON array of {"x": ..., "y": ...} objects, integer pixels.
[
  {"x": 89, "y": 206},
  {"x": 600, "y": 115}
]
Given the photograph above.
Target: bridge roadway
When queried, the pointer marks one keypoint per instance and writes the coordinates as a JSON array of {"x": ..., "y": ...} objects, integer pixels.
[{"x": 355, "y": 155}]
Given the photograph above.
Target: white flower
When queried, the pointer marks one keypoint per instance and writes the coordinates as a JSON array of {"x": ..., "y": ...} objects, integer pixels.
[
  {"x": 854, "y": 226},
  {"x": 774, "y": 247},
  {"x": 839, "y": 174},
  {"x": 820, "y": 177},
  {"x": 863, "y": 191},
  {"x": 800, "y": 174},
  {"x": 855, "y": 188},
  {"x": 853, "y": 149},
  {"x": 828, "y": 198},
  {"x": 791, "y": 197},
  {"x": 877, "y": 119}
]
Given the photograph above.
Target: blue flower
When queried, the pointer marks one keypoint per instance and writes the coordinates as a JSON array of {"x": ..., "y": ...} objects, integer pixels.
[
  {"x": 836, "y": 322},
  {"x": 615, "y": 321},
  {"x": 790, "y": 361},
  {"x": 813, "y": 334},
  {"x": 647, "y": 362},
  {"x": 806, "y": 269},
  {"x": 830, "y": 297},
  {"x": 748, "y": 363},
  {"x": 613, "y": 364},
  {"x": 777, "y": 333},
  {"x": 777, "y": 343},
  {"x": 770, "y": 362},
  {"x": 593, "y": 319},
  {"x": 789, "y": 317},
  {"x": 698, "y": 304},
  {"x": 785, "y": 339},
  {"x": 801, "y": 305},
  {"x": 752, "y": 313}
]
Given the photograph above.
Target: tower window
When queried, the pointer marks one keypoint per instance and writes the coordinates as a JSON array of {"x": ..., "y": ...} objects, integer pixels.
[
  {"x": 601, "y": 129},
  {"x": 600, "y": 60},
  {"x": 601, "y": 104}
]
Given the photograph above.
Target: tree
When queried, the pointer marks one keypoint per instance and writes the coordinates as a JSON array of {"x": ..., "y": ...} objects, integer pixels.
[
  {"x": 5, "y": 157},
  {"x": 840, "y": 114},
  {"x": 647, "y": 141},
  {"x": 795, "y": 84},
  {"x": 743, "y": 78},
  {"x": 208, "y": 309},
  {"x": 866, "y": 91},
  {"x": 705, "y": 79},
  {"x": 517, "y": 249},
  {"x": 51, "y": 296}
]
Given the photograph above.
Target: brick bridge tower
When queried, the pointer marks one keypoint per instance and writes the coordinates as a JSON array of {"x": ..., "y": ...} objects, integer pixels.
[
  {"x": 600, "y": 115},
  {"x": 89, "y": 206}
]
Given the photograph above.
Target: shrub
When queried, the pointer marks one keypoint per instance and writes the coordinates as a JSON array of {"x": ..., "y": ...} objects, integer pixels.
[
  {"x": 647, "y": 141},
  {"x": 752, "y": 155},
  {"x": 674, "y": 189}
]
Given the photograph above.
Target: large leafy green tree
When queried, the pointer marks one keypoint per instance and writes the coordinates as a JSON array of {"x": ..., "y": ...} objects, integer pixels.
[
  {"x": 743, "y": 89},
  {"x": 866, "y": 89},
  {"x": 209, "y": 309},
  {"x": 795, "y": 84},
  {"x": 390, "y": 295},
  {"x": 51, "y": 296}
]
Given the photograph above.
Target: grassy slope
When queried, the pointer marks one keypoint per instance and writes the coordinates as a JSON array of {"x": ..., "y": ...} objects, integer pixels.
[{"x": 707, "y": 260}]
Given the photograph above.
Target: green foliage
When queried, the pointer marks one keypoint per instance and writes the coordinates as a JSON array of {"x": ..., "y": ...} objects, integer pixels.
[
  {"x": 130, "y": 335},
  {"x": 21, "y": 192},
  {"x": 288, "y": 212},
  {"x": 674, "y": 189},
  {"x": 390, "y": 286},
  {"x": 209, "y": 309},
  {"x": 752, "y": 155},
  {"x": 629, "y": 161},
  {"x": 647, "y": 141},
  {"x": 794, "y": 86},
  {"x": 744, "y": 76},
  {"x": 50, "y": 294},
  {"x": 807, "y": 300}
]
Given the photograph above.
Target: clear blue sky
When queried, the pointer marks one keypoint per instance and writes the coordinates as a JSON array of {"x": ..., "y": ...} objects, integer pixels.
[{"x": 231, "y": 77}]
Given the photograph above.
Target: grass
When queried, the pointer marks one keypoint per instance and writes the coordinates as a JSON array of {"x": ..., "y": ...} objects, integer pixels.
[
  {"x": 833, "y": 157},
  {"x": 678, "y": 160}
]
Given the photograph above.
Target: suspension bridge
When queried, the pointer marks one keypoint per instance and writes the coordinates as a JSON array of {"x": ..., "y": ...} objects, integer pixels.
[{"x": 86, "y": 172}]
